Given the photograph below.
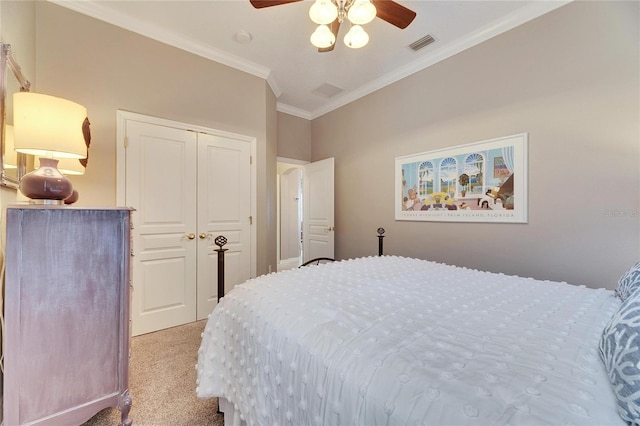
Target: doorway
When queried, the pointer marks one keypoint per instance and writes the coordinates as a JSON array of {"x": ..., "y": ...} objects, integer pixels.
[
  {"x": 289, "y": 241},
  {"x": 305, "y": 211}
]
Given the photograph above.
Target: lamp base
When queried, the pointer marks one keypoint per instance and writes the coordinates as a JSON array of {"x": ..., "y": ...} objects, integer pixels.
[{"x": 46, "y": 183}]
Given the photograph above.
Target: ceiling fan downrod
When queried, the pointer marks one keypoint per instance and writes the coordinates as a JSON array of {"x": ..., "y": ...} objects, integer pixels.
[{"x": 342, "y": 9}]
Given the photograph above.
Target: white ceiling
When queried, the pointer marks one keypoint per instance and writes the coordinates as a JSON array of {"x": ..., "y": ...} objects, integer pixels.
[{"x": 281, "y": 53}]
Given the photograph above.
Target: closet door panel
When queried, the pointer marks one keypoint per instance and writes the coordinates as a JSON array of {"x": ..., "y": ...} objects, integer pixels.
[
  {"x": 224, "y": 208},
  {"x": 161, "y": 182}
]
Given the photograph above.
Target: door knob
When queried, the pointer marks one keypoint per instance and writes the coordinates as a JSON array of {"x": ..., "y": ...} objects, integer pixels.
[
  {"x": 191, "y": 236},
  {"x": 204, "y": 235}
]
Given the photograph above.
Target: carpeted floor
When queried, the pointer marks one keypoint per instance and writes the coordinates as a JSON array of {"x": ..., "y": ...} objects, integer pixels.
[{"x": 162, "y": 382}]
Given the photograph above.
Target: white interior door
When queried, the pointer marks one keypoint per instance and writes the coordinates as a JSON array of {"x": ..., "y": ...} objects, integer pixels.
[
  {"x": 318, "y": 210},
  {"x": 161, "y": 186},
  {"x": 224, "y": 209}
]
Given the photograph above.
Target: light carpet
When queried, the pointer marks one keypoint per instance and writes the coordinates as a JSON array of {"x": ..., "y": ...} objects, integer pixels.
[{"x": 162, "y": 382}]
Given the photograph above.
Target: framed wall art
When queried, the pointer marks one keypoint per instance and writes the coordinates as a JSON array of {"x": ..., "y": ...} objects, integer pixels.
[{"x": 478, "y": 182}]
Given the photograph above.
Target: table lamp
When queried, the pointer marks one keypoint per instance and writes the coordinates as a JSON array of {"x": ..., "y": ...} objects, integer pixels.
[{"x": 49, "y": 128}]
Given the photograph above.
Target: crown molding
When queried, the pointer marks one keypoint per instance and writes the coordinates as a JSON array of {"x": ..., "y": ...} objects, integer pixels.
[
  {"x": 298, "y": 112},
  {"x": 275, "y": 87}
]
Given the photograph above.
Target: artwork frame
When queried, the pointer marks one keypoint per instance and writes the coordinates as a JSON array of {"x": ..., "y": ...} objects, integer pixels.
[{"x": 484, "y": 181}]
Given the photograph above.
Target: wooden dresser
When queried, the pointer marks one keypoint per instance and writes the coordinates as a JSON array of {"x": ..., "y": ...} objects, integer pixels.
[{"x": 67, "y": 328}]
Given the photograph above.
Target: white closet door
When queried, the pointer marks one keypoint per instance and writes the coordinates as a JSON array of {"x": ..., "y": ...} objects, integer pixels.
[
  {"x": 161, "y": 186},
  {"x": 318, "y": 198},
  {"x": 224, "y": 208}
]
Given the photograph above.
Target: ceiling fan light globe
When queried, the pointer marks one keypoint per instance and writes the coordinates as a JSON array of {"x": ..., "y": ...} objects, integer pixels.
[
  {"x": 322, "y": 37},
  {"x": 323, "y": 12},
  {"x": 356, "y": 37},
  {"x": 361, "y": 12}
]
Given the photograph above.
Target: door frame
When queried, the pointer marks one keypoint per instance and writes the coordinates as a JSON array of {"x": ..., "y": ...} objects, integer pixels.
[{"x": 123, "y": 116}]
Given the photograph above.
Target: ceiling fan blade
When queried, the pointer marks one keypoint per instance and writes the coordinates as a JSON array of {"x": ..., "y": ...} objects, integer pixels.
[
  {"x": 335, "y": 27},
  {"x": 259, "y": 4},
  {"x": 394, "y": 13}
]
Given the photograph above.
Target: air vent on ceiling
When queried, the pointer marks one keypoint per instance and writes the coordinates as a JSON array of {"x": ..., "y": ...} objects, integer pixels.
[
  {"x": 327, "y": 90},
  {"x": 423, "y": 42}
]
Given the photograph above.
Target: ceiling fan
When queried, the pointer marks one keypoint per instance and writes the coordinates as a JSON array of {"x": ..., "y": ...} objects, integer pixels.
[{"x": 387, "y": 10}]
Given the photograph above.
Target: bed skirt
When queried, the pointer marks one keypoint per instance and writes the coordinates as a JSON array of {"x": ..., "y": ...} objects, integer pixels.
[{"x": 231, "y": 415}]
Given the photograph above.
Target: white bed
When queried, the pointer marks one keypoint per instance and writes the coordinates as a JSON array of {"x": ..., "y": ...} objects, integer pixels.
[{"x": 393, "y": 341}]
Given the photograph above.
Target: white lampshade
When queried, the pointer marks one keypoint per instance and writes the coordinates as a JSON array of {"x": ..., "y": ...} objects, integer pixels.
[
  {"x": 356, "y": 37},
  {"x": 323, "y": 12},
  {"x": 47, "y": 126},
  {"x": 66, "y": 166},
  {"x": 322, "y": 37},
  {"x": 361, "y": 12},
  {"x": 10, "y": 155}
]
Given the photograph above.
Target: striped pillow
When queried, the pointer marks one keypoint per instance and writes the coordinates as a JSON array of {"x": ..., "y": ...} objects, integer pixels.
[
  {"x": 620, "y": 353},
  {"x": 629, "y": 282}
]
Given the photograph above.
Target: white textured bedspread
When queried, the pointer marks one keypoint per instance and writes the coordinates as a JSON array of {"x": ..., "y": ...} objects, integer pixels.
[{"x": 394, "y": 341}]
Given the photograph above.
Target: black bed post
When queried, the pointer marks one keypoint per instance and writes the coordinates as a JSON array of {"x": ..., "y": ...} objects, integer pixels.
[
  {"x": 380, "y": 237},
  {"x": 220, "y": 241}
]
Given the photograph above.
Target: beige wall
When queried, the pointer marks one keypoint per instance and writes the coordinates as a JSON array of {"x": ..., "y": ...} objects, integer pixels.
[
  {"x": 294, "y": 137},
  {"x": 570, "y": 79},
  {"x": 107, "y": 68},
  {"x": 17, "y": 28}
]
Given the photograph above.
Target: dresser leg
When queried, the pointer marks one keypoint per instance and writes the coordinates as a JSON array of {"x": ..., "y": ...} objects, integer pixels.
[{"x": 125, "y": 406}]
